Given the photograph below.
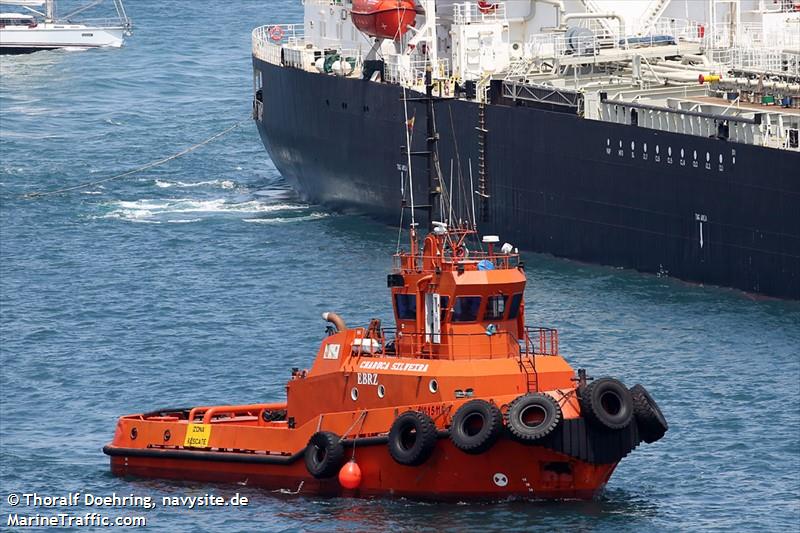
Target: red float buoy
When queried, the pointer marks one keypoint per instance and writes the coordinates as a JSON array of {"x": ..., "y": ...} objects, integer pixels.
[{"x": 350, "y": 475}]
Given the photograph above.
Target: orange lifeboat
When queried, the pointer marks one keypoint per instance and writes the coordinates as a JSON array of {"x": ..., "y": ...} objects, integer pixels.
[{"x": 386, "y": 19}]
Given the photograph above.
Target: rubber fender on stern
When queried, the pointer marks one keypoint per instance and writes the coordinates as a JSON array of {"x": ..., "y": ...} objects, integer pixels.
[
  {"x": 412, "y": 438},
  {"x": 324, "y": 454},
  {"x": 476, "y": 426},
  {"x": 651, "y": 421},
  {"x": 606, "y": 403},
  {"x": 532, "y": 417}
]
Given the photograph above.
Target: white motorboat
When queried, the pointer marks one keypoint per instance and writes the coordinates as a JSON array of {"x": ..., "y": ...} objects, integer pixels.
[{"x": 35, "y": 30}]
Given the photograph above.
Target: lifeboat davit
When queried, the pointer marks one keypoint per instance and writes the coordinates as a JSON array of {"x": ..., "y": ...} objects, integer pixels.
[{"x": 386, "y": 19}]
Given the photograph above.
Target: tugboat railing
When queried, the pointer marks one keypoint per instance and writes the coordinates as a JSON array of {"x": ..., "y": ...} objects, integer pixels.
[
  {"x": 536, "y": 341},
  {"x": 404, "y": 261}
]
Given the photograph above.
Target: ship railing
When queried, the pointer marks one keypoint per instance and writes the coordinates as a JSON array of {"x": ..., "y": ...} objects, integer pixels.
[
  {"x": 269, "y": 39},
  {"x": 539, "y": 341},
  {"x": 594, "y": 39},
  {"x": 765, "y": 59},
  {"x": 104, "y": 23},
  {"x": 473, "y": 261},
  {"x": 409, "y": 72},
  {"x": 560, "y": 45},
  {"x": 479, "y": 12},
  {"x": 680, "y": 29},
  {"x": 492, "y": 344},
  {"x": 733, "y": 123}
]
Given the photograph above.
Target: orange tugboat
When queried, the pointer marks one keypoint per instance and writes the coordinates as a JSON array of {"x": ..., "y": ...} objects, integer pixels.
[{"x": 460, "y": 400}]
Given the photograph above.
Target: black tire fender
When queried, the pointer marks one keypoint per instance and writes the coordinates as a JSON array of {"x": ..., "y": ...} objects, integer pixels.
[
  {"x": 606, "y": 403},
  {"x": 651, "y": 421},
  {"x": 324, "y": 454},
  {"x": 532, "y": 417},
  {"x": 412, "y": 438},
  {"x": 476, "y": 426}
]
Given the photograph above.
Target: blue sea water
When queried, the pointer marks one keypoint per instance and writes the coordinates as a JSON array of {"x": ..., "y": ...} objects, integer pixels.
[{"x": 202, "y": 281}]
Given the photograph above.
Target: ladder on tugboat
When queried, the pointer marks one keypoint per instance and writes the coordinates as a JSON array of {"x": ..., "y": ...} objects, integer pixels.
[
  {"x": 529, "y": 367},
  {"x": 527, "y": 362}
]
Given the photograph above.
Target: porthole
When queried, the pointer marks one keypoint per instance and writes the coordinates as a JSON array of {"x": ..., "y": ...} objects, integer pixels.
[
  {"x": 633, "y": 145},
  {"x": 381, "y": 391},
  {"x": 645, "y": 147},
  {"x": 167, "y": 435},
  {"x": 134, "y": 433},
  {"x": 354, "y": 393},
  {"x": 657, "y": 149},
  {"x": 669, "y": 150},
  {"x": 433, "y": 386},
  {"x": 681, "y": 153},
  {"x": 708, "y": 156},
  {"x": 720, "y": 159}
]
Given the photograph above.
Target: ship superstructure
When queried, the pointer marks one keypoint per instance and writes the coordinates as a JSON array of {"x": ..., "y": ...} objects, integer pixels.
[{"x": 661, "y": 136}]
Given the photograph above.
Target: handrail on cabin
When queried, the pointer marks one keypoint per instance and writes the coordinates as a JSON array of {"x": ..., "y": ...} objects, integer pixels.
[{"x": 210, "y": 411}]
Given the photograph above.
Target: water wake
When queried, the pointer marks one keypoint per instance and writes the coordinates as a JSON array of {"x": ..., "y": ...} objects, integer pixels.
[{"x": 165, "y": 210}]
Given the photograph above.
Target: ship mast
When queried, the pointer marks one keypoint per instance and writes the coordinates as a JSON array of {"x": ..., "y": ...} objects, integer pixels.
[{"x": 434, "y": 180}]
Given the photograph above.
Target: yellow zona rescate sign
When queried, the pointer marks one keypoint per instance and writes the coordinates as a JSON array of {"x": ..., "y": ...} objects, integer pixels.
[{"x": 197, "y": 436}]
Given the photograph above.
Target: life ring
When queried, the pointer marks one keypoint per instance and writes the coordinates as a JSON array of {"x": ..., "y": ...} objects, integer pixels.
[
  {"x": 651, "y": 421},
  {"x": 606, "y": 402},
  {"x": 276, "y": 33},
  {"x": 532, "y": 417},
  {"x": 487, "y": 7},
  {"x": 324, "y": 454},
  {"x": 462, "y": 252},
  {"x": 476, "y": 426},
  {"x": 412, "y": 438}
]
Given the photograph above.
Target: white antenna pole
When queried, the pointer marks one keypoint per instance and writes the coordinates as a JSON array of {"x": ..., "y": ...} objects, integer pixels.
[
  {"x": 472, "y": 195},
  {"x": 450, "y": 214},
  {"x": 408, "y": 153}
]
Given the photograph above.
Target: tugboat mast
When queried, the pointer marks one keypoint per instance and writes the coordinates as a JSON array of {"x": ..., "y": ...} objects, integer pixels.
[{"x": 434, "y": 181}]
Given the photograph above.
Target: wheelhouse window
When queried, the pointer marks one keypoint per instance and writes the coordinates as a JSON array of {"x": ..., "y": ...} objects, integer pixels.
[
  {"x": 444, "y": 302},
  {"x": 406, "y": 306},
  {"x": 466, "y": 308},
  {"x": 495, "y": 307},
  {"x": 513, "y": 310}
]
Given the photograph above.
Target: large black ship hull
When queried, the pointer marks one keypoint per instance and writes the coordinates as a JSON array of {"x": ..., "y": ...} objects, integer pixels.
[{"x": 700, "y": 209}]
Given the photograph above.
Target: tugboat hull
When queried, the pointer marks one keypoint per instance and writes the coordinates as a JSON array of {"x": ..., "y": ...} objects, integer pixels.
[{"x": 510, "y": 469}]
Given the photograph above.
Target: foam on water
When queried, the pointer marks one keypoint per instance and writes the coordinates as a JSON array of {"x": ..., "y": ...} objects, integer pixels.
[
  {"x": 157, "y": 209},
  {"x": 284, "y": 220},
  {"x": 166, "y": 184}
]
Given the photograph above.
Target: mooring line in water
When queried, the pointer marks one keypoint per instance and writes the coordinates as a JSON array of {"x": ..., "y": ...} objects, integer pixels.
[{"x": 192, "y": 148}]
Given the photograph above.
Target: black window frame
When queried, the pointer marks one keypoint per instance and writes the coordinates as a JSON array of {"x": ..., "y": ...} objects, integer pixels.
[
  {"x": 513, "y": 309},
  {"x": 444, "y": 302},
  {"x": 412, "y": 308},
  {"x": 489, "y": 306},
  {"x": 455, "y": 309}
]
